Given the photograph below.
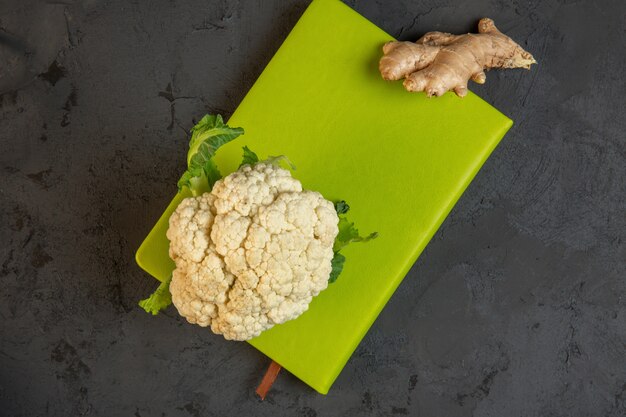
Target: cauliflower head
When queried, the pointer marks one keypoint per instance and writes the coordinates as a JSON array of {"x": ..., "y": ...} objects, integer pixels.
[{"x": 252, "y": 253}]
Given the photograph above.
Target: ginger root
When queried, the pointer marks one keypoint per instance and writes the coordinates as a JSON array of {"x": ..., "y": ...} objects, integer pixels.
[{"x": 440, "y": 62}]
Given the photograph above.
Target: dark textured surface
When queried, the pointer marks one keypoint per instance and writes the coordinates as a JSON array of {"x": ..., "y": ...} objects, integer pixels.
[{"x": 516, "y": 308}]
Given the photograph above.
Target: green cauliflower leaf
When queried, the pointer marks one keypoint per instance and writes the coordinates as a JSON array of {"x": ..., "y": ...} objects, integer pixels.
[
  {"x": 249, "y": 157},
  {"x": 348, "y": 233},
  {"x": 207, "y": 136},
  {"x": 159, "y": 300}
]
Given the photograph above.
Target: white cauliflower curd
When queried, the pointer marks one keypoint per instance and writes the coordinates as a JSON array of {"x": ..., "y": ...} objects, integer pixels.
[{"x": 251, "y": 253}]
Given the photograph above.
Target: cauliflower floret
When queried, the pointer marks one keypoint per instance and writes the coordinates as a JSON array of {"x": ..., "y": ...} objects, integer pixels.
[{"x": 252, "y": 253}]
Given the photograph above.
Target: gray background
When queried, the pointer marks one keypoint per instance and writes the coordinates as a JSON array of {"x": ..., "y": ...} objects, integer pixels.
[{"x": 516, "y": 308}]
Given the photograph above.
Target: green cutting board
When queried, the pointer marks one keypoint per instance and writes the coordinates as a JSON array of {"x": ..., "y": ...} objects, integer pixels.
[{"x": 400, "y": 160}]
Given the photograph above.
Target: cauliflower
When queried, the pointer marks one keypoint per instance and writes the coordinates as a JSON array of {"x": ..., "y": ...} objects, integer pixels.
[
  {"x": 252, "y": 249},
  {"x": 251, "y": 253}
]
